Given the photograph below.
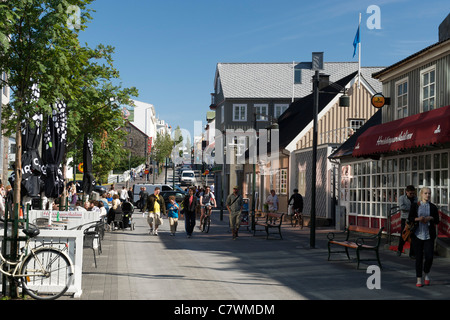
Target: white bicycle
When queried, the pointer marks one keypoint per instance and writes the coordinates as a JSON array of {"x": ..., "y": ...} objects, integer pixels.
[{"x": 44, "y": 272}]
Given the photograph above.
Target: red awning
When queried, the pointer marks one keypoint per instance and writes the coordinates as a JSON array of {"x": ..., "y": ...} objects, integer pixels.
[{"x": 427, "y": 128}]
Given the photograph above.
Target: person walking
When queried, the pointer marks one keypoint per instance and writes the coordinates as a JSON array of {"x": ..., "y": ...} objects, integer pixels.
[
  {"x": 143, "y": 196},
  {"x": 272, "y": 201},
  {"x": 426, "y": 217},
  {"x": 123, "y": 194},
  {"x": 155, "y": 206},
  {"x": 190, "y": 204},
  {"x": 404, "y": 203},
  {"x": 172, "y": 209},
  {"x": 234, "y": 205}
]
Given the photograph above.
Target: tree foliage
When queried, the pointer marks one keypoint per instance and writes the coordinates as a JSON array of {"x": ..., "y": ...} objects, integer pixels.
[
  {"x": 45, "y": 63},
  {"x": 163, "y": 147}
]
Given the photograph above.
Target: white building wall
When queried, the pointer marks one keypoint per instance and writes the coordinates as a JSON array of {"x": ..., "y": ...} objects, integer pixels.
[{"x": 145, "y": 118}]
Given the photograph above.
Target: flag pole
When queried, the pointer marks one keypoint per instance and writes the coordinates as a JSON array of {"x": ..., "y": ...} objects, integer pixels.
[
  {"x": 293, "y": 80},
  {"x": 359, "y": 52}
]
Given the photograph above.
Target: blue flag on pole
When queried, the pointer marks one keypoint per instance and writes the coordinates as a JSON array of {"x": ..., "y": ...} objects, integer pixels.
[{"x": 356, "y": 41}]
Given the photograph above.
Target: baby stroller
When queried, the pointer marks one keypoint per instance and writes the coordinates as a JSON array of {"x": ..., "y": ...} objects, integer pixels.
[{"x": 128, "y": 209}]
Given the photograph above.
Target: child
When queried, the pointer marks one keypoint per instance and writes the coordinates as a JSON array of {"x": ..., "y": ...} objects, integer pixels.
[{"x": 173, "y": 208}]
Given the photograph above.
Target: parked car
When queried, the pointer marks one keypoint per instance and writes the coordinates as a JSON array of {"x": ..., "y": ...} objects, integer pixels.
[
  {"x": 150, "y": 189},
  {"x": 188, "y": 178},
  {"x": 179, "y": 196},
  {"x": 97, "y": 188}
]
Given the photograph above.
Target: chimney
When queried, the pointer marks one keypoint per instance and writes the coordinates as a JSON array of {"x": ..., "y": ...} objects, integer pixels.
[
  {"x": 444, "y": 29},
  {"x": 324, "y": 81}
]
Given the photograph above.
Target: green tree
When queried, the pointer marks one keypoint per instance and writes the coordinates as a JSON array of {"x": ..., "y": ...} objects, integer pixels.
[
  {"x": 38, "y": 50},
  {"x": 163, "y": 147}
]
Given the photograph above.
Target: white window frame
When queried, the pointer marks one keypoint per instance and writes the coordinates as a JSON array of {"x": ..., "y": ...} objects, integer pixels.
[
  {"x": 259, "y": 110},
  {"x": 242, "y": 107},
  {"x": 282, "y": 183},
  {"x": 403, "y": 106},
  {"x": 422, "y": 98},
  {"x": 355, "y": 124},
  {"x": 282, "y": 107}
]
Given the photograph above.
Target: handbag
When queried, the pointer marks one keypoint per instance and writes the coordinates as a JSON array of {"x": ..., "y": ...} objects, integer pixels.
[{"x": 407, "y": 232}]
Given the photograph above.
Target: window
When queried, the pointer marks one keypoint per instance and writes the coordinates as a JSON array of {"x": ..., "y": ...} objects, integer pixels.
[
  {"x": 297, "y": 76},
  {"x": 261, "y": 110},
  {"x": 218, "y": 86},
  {"x": 279, "y": 109},
  {"x": 428, "y": 83},
  {"x": 222, "y": 113},
  {"x": 282, "y": 181},
  {"x": 376, "y": 185},
  {"x": 239, "y": 112},
  {"x": 401, "y": 98},
  {"x": 355, "y": 124}
]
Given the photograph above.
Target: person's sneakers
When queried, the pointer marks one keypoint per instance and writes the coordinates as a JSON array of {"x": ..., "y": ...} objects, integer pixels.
[
  {"x": 156, "y": 232},
  {"x": 399, "y": 253},
  {"x": 151, "y": 231}
]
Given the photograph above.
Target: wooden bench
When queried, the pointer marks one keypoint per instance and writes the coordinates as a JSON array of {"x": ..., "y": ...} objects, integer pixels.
[
  {"x": 270, "y": 221},
  {"x": 361, "y": 243}
]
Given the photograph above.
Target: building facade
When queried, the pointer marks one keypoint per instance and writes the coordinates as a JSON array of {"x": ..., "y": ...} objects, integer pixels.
[
  {"x": 253, "y": 96},
  {"x": 411, "y": 145}
]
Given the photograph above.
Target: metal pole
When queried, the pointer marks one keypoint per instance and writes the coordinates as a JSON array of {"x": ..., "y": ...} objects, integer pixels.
[
  {"x": 173, "y": 165},
  {"x": 312, "y": 242},
  {"x": 165, "y": 173},
  {"x": 254, "y": 181},
  {"x": 223, "y": 175}
]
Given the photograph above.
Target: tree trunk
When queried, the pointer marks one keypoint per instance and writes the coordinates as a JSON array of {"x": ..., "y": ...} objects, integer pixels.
[{"x": 18, "y": 168}]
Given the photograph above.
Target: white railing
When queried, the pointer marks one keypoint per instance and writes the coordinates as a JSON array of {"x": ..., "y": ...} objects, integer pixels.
[{"x": 58, "y": 239}]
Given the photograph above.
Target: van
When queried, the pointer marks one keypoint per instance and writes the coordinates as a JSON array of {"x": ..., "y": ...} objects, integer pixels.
[
  {"x": 150, "y": 189},
  {"x": 188, "y": 178}
]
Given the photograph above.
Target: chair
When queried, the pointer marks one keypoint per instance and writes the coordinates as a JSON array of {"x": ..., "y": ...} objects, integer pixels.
[{"x": 88, "y": 242}]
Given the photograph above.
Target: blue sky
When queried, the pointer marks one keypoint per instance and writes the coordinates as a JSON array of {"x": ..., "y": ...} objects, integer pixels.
[{"x": 169, "y": 49}]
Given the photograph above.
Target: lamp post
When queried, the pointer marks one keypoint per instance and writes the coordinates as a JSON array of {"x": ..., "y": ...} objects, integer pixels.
[
  {"x": 274, "y": 125},
  {"x": 317, "y": 65},
  {"x": 312, "y": 238}
]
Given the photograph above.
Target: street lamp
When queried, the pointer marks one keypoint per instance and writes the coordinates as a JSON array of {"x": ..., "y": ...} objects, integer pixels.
[
  {"x": 344, "y": 101},
  {"x": 274, "y": 126}
]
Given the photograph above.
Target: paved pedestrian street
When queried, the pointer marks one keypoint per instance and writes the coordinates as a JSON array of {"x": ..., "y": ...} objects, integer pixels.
[{"x": 135, "y": 265}]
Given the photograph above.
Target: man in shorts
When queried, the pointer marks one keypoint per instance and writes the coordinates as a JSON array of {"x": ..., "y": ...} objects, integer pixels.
[{"x": 155, "y": 206}]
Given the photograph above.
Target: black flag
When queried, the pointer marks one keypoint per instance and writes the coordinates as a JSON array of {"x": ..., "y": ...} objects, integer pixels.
[{"x": 54, "y": 146}]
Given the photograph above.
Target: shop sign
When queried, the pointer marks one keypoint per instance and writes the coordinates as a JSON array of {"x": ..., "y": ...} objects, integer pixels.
[{"x": 378, "y": 100}]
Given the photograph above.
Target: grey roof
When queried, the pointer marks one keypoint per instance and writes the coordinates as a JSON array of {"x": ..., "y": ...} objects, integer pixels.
[{"x": 274, "y": 80}]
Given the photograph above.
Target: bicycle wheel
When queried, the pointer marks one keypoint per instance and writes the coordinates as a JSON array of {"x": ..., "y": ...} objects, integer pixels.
[
  {"x": 48, "y": 273},
  {"x": 206, "y": 224}
]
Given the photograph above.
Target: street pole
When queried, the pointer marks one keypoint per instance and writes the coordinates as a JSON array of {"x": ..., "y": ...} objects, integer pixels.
[
  {"x": 312, "y": 239},
  {"x": 223, "y": 174},
  {"x": 173, "y": 165},
  {"x": 254, "y": 180}
]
